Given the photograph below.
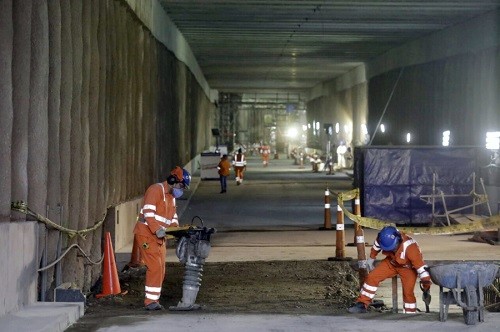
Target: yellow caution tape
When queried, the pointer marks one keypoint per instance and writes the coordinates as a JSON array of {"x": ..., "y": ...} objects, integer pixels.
[{"x": 486, "y": 223}]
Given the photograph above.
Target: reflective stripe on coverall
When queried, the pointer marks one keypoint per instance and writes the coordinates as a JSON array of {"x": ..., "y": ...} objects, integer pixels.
[
  {"x": 407, "y": 262},
  {"x": 159, "y": 211}
]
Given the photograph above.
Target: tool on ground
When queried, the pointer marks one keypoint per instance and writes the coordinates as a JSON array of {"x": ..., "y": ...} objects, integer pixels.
[
  {"x": 426, "y": 297},
  {"x": 192, "y": 249}
]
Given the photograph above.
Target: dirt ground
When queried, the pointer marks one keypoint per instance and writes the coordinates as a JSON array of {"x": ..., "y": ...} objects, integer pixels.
[
  {"x": 290, "y": 287},
  {"x": 280, "y": 287}
]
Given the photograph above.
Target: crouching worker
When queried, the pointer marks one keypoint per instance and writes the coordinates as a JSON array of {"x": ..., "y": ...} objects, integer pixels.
[
  {"x": 403, "y": 258},
  {"x": 157, "y": 214}
]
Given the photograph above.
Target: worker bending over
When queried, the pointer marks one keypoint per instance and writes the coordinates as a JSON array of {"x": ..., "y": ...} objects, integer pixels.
[{"x": 403, "y": 258}]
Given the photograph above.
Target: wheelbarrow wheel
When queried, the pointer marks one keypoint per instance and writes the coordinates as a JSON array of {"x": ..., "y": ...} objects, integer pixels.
[{"x": 469, "y": 297}]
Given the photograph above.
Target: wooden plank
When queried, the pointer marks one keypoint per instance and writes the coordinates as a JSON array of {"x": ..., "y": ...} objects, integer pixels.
[
  {"x": 459, "y": 218},
  {"x": 474, "y": 217}
]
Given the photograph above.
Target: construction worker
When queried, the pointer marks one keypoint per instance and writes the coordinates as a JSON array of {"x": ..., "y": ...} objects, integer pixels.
[
  {"x": 403, "y": 258},
  {"x": 224, "y": 169},
  {"x": 157, "y": 214},
  {"x": 264, "y": 152},
  {"x": 239, "y": 164}
]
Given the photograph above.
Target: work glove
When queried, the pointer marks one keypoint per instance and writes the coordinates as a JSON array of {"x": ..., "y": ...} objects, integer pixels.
[
  {"x": 160, "y": 233},
  {"x": 425, "y": 285},
  {"x": 369, "y": 264}
]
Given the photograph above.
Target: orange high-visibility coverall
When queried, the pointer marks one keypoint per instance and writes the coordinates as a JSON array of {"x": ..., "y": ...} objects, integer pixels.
[
  {"x": 265, "y": 151},
  {"x": 159, "y": 211},
  {"x": 406, "y": 262},
  {"x": 239, "y": 164}
]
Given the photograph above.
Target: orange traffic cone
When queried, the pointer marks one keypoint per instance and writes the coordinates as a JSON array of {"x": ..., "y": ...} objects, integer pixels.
[{"x": 110, "y": 282}]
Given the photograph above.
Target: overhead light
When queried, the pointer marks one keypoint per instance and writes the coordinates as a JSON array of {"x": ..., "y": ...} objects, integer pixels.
[
  {"x": 493, "y": 140},
  {"x": 446, "y": 138},
  {"x": 292, "y": 132},
  {"x": 337, "y": 127},
  {"x": 408, "y": 138},
  {"x": 382, "y": 128}
]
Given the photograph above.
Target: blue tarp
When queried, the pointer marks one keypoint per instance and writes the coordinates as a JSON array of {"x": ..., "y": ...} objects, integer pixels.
[{"x": 393, "y": 179}]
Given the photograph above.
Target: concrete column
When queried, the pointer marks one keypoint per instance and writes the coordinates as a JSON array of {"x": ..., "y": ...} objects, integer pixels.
[
  {"x": 6, "y": 108},
  {"x": 111, "y": 59},
  {"x": 54, "y": 114},
  {"x": 65, "y": 107},
  {"x": 121, "y": 103},
  {"x": 73, "y": 270},
  {"x": 21, "y": 59},
  {"x": 99, "y": 47},
  {"x": 101, "y": 162},
  {"x": 84, "y": 221},
  {"x": 76, "y": 110},
  {"x": 84, "y": 119},
  {"x": 38, "y": 114}
]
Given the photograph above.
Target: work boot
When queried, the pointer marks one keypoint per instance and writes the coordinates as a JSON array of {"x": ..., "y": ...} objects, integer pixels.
[
  {"x": 358, "y": 308},
  {"x": 153, "y": 306}
]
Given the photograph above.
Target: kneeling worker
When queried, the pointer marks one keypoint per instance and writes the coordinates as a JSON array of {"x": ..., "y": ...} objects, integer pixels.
[
  {"x": 403, "y": 258},
  {"x": 157, "y": 214}
]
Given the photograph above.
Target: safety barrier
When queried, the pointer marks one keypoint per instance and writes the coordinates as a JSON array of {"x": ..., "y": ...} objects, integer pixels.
[
  {"x": 481, "y": 224},
  {"x": 327, "y": 224},
  {"x": 359, "y": 239}
]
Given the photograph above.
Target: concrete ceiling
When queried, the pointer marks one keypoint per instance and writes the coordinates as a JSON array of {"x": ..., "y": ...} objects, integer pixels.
[{"x": 270, "y": 46}]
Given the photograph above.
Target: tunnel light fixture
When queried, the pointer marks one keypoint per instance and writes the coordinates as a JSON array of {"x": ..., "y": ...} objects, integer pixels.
[
  {"x": 493, "y": 140},
  {"x": 292, "y": 132},
  {"x": 382, "y": 128},
  {"x": 408, "y": 138},
  {"x": 446, "y": 138},
  {"x": 337, "y": 127}
]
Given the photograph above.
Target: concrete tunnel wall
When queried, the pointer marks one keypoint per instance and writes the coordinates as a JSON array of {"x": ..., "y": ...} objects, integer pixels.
[
  {"x": 93, "y": 109},
  {"x": 450, "y": 80}
]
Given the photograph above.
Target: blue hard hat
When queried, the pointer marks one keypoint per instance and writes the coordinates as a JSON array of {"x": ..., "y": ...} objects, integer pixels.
[
  {"x": 388, "y": 238},
  {"x": 186, "y": 178}
]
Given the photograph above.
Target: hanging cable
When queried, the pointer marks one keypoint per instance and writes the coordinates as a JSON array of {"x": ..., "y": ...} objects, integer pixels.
[{"x": 386, "y": 105}]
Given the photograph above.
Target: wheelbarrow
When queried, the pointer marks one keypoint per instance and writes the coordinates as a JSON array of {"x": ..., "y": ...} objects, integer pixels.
[{"x": 465, "y": 282}]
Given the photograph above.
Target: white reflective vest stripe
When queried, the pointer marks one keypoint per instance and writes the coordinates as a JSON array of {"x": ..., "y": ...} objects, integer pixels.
[{"x": 239, "y": 163}]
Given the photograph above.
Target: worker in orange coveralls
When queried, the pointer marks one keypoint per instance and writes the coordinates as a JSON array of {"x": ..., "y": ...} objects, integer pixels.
[
  {"x": 264, "y": 152},
  {"x": 403, "y": 258},
  {"x": 239, "y": 164},
  {"x": 157, "y": 214}
]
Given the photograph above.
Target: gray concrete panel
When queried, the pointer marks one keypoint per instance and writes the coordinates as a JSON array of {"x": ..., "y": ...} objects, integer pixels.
[
  {"x": 66, "y": 101},
  {"x": 19, "y": 287},
  {"x": 38, "y": 114},
  {"x": 21, "y": 65},
  {"x": 6, "y": 107}
]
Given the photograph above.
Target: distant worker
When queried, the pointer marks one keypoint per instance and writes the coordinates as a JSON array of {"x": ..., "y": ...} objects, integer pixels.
[
  {"x": 341, "y": 151},
  {"x": 403, "y": 258},
  {"x": 158, "y": 214},
  {"x": 239, "y": 164},
  {"x": 265, "y": 151},
  {"x": 224, "y": 169}
]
